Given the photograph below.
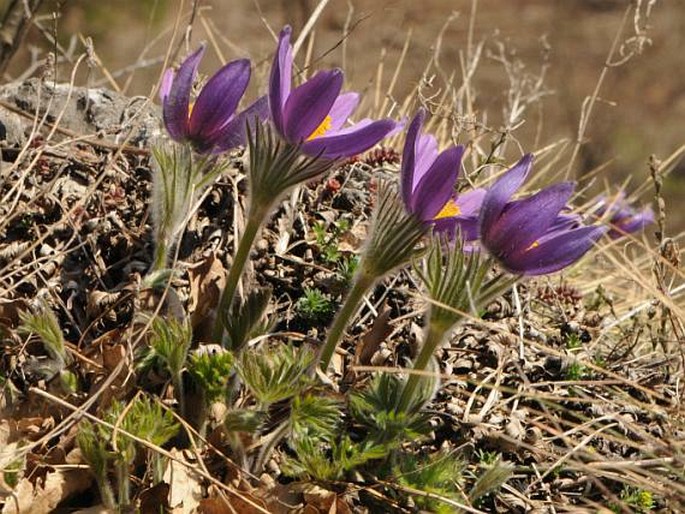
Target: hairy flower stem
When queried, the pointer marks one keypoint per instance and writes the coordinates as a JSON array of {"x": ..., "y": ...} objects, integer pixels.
[
  {"x": 267, "y": 449},
  {"x": 179, "y": 391},
  {"x": 124, "y": 484},
  {"x": 157, "y": 467},
  {"x": 362, "y": 283},
  {"x": 160, "y": 257},
  {"x": 258, "y": 211},
  {"x": 106, "y": 493},
  {"x": 434, "y": 337}
]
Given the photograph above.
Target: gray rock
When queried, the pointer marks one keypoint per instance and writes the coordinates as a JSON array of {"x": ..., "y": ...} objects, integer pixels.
[{"x": 100, "y": 112}]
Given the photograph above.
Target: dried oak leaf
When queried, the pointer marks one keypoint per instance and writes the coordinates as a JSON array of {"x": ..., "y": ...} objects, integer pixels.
[
  {"x": 207, "y": 280},
  {"x": 322, "y": 501},
  {"x": 373, "y": 339},
  {"x": 46, "y": 496},
  {"x": 185, "y": 484},
  {"x": 353, "y": 240},
  {"x": 155, "y": 499},
  {"x": 244, "y": 504}
]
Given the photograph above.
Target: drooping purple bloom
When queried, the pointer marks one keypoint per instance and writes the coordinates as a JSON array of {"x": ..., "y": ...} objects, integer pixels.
[
  {"x": 532, "y": 236},
  {"x": 314, "y": 114},
  {"x": 428, "y": 180},
  {"x": 622, "y": 217},
  {"x": 210, "y": 123}
]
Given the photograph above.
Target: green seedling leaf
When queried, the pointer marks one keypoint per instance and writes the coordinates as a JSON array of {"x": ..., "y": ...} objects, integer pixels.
[{"x": 247, "y": 320}]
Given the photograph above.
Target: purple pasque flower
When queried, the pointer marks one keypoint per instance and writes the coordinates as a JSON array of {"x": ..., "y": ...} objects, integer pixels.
[
  {"x": 210, "y": 123},
  {"x": 314, "y": 114},
  {"x": 428, "y": 180},
  {"x": 532, "y": 236},
  {"x": 622, "y": 217}
]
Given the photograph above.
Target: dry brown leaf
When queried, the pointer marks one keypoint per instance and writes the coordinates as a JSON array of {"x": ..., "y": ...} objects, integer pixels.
[
  {"x": 32, "y": 428},
  {"x": 214, "y": 506},
  {"x": 10, "y": 309},
  {"x": 97, "y": 509},
  {"x": 280, "y": 498},
  {"x": 44, "y": 498},
  {"x": 5, "y": 432},
  {"x": 207, "y": 280},
  {"x": 155, "y": 499},
  {"x": 338, "y": 363},
  {"x": 112, "y": 355},
  {"x": 99, "y": 301},
  {"x": 237, "y": 505},
  {"x": 319, "y": 501},
  {"x": 185, "y": 484},
  {"x": 352, "y": 240},
  {"x": 515, "y": 427},
  {"x": 372, "y": 340}
]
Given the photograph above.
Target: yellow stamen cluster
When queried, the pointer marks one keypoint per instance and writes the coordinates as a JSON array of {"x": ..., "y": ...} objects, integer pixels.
[
  {"x": 321, "y": 129},
  {"x": 449, "y": 210}
]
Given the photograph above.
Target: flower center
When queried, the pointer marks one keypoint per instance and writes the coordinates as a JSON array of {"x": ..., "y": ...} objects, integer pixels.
[
  {"x": 534, "y": 245},
  {"x": 450, "y": 210},
  {"x": 321, "y": 129},
  {"x": 190, "y": 109}
]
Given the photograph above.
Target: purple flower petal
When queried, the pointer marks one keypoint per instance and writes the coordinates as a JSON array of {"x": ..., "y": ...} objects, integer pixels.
[
  {"x": 501, "y": 191},
  {"x": 234, "y": 133},
  {"x": 219, "y": 99},
  {"x": 523, "y": 222},
  {"x": 281, "y": 78},
  {"x": 467, "y": 226},
  {"x": 426, "y": 153},
  {"x": 165, "y": 86},
  {"x": 555, "y": 253},
  {"x": 177, "y": 102},
  {"x": 309, "y": 104},
  {"x": 350, "y": 128},
  {"x": 469, "y": 203},
  {"x": 409, "y": 158},
  {"x": 437, "y": 185},
  {"x": 342, "y": 108},
  {"x": 631, "y": 223},
  {"x": 351, "y": 143}
]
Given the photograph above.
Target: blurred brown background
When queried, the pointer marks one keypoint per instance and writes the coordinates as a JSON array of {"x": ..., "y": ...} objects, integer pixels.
[{"x": 640, "y": 111}]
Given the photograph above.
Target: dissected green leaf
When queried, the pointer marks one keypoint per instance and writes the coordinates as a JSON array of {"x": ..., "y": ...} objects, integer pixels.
[
  {"x": 168, "y": 346},
  {"x": 491, "y": 479},
  {"x": 45, "y": 325},
  {"x": 277, "y": 373},
  {"x": 375, "y": 408},
  {"x": 245, "y": 420},
  {"x": 212, "y": 371},
  {"x": 246, "y": 320}
]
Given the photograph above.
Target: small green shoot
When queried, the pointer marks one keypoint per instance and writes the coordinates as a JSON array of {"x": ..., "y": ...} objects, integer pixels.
[
  {"x": 328, "y": 239},
  {"x": 491, "y": 479},
  {"x": 575, "y": 371},
  {"x": 638, "y": 500},
  {"x": 211, "y": 370},
  {"x": 45, "y": 325},
  {"x": 247, "y": 319},
  {"x": 487, "y": 458},
  {"x": 168, "y": 351},
  {"x": 102, "y": 446},
  {"x": 439, "y": 474},
  {"x": 573, "y": 342},
  {"x": 376, "y": 408},
  {"x": 275, "y": 374},
  {"x": 331, "y": 460},
  {"x": 315, "y": 307}
]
